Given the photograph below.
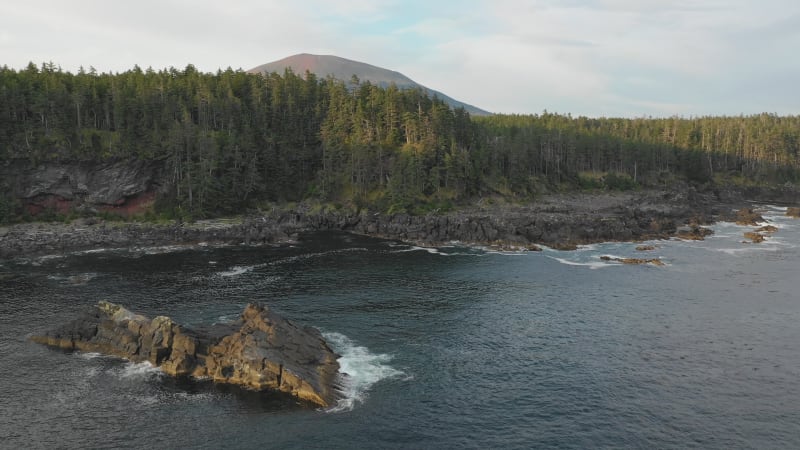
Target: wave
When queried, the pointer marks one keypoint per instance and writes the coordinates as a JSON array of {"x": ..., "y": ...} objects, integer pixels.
[
  {"x": 80, "y": 279},
  {"x": 476, "y": 250},
  {"x": 361, "y": 369},
  {"x": 138, "y": 371},
  {"x": 590, "y": 264},
  {"x": 236, "y": 270},
  {"x": 305, "y": 256},
  {"x": 414, "y": 248},
  {"x": 750, "y": 249}
]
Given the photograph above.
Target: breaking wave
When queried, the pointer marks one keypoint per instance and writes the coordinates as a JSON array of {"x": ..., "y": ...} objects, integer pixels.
[{"x": 361, "y": 369}]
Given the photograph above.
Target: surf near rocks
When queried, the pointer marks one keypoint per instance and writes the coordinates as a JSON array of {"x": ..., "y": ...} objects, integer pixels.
[{"x": 260, "y": 351}]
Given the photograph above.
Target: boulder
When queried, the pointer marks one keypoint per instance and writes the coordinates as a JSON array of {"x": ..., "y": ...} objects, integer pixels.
[
  {"x": 261, "y": 351},
  {"x": 793, "y": 212}
]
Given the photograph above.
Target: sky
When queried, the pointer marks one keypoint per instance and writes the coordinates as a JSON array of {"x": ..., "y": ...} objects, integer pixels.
[{"x": 612, "y": 58}]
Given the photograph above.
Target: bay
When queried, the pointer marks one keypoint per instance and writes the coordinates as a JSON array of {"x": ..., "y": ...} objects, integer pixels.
[{"x": 449, "y": 347}]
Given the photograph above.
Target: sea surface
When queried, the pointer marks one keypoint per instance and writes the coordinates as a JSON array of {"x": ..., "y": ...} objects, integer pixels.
[{"x": 449, "y": 347}]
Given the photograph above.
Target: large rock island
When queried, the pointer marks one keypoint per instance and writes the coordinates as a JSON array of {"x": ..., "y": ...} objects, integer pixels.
[{"x": 260, "y": 351}]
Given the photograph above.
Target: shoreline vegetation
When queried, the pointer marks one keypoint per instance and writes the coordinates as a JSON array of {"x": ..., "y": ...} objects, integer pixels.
[{"x": 148, "y": 157}]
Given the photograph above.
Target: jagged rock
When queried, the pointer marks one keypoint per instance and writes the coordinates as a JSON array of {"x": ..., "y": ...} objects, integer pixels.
[
  {"x": 746, "y": 216},
  {"x": 653, "y": 261},
  {"x": 645, "y": 248},
  {"x": 769, "y": 229},
  {"x": 261, "y": 351},
  {"x": 793, "y": 212}
]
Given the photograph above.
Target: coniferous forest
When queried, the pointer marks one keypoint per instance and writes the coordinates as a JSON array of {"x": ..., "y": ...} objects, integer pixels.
[{"x": 232, "y": 140}]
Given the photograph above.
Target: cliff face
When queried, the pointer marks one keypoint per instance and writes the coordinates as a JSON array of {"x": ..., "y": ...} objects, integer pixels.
[
  {"x": 262, "y": 351},
  {"x": 124, "y": 187}
]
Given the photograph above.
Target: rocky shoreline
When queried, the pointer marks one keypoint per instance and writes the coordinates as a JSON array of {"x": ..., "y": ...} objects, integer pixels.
[{"x": 561, "y": 221}]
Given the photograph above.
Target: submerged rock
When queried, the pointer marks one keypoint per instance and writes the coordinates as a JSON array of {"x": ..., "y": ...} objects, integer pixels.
[
  {"x": 754, "y": 237},
  {"x": 261, "y": 351},
  {"x": 769, "y": 229}
]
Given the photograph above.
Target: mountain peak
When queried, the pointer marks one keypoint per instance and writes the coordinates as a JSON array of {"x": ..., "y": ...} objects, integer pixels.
[{"x": 344, "y": 69}]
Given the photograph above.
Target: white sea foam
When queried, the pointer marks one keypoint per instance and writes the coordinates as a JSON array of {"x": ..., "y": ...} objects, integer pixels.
[
  {"x": 138, "y": 371},
  {"x": 160, "y": 250},
  {"x": 235, "y": 270},
  {"x": 226, "y": 318},
  {"x": 88, "y": 355},
  {"x": 590, "y": 264},
  {"x": 749, "y": 248},
  {"x": 505, "y": 252},
  {"x": 362, "y": 368}
]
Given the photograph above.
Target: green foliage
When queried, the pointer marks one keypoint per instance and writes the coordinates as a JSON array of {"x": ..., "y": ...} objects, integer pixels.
[
  {"x": 619, "y": 182},
  {"x": 590, "y": 181},
  {"x": 231, "y": 141}
]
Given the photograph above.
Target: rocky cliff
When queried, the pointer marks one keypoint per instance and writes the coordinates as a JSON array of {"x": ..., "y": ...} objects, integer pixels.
[
  {"x": 262, "y": 351},
  {"x": 123, "y": 187}
]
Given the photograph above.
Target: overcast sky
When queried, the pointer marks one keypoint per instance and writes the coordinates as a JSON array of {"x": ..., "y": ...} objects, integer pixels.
[{"x": 627, "y": 58}]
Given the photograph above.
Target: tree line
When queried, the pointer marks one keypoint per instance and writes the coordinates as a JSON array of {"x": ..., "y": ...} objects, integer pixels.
[{"x": 232, "y": 140}]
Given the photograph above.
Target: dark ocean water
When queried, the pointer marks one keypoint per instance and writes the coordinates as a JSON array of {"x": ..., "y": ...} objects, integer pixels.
[{"x": 446, "y": 348}]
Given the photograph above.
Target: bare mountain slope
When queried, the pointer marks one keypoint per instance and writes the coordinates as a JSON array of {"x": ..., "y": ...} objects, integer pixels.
[{"x": 344, "y": 69}]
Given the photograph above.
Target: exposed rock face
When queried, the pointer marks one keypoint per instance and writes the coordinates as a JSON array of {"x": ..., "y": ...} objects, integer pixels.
[
  {"x": 124, "y": 187},
  {"x": 261, "y": 351}
]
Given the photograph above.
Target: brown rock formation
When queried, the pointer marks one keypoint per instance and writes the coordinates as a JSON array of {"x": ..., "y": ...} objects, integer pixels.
[
  {"x": 754, "y": 237},
  {"x": 645, "y": 248},
  {"x": 260, "y": 351},
  {"x": 793, "y": 212},
  {"x": 694, "y": 233},
  {"x": 746, "y": 216},
  {"x": 767, "y": 229}
]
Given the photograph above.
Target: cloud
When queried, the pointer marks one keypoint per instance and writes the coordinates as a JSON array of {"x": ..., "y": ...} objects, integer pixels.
[{"x": 594, "y": 57}]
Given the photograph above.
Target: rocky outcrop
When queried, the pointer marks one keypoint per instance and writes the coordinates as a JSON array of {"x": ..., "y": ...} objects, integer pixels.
[
  {"x": 747, "y": 216},
  {"x": 694, "y": 233},
  {"x": 261, "y": 351},
  {"x": 124, "y": 187},
  {"x": 793, "y": 212}
]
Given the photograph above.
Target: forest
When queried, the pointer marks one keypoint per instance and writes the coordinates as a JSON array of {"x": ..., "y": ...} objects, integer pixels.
[{"x": 230, "y": 141}]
